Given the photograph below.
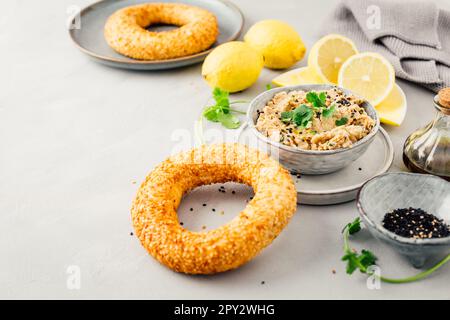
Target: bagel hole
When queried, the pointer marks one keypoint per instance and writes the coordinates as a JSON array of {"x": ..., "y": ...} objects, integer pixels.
[
  {"x": 206, "y": 208},
  {"x": 161, "y": 27}
]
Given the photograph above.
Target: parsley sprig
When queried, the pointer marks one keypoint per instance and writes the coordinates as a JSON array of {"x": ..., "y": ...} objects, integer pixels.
[
  {"x": 362, "y": 261},
  {"x": 222, "y": 111}
]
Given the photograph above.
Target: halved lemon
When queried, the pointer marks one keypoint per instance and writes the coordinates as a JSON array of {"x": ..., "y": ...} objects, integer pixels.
[
  {"x": 302, "y": 75},
  {"x": 328, "y": 54},
  {"x": 369, "y": 75},
  {"x": 392, "y": 110}
]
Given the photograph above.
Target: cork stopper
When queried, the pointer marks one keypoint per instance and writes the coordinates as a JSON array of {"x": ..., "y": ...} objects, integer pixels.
[{"x": 444, "y": 97}]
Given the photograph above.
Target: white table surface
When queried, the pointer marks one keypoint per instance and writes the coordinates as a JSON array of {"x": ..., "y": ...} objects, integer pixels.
[{"x": 76, "y": 136}]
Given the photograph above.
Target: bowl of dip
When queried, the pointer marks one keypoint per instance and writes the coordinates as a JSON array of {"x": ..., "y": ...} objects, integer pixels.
[{"x": 313, "y": 129}]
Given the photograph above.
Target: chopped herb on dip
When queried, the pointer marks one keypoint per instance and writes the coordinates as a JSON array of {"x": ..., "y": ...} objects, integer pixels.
[{"x": 323, "y": 120}]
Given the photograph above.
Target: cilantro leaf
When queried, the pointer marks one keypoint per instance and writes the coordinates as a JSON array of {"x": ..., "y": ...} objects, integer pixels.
[
  {"x": 287, "y": 116},
  {"x": 317, "y": 100},
  {"x": 221, "y": 97},
  {"x": 341, "y": 121},
  {"x": 211, "y": 113},
  {"x": 221, "y": 111},
  {"x": 228, "y": 120},
  {"x": 354, "y": 226},
  {"x": 302, "y": 116},
  {"x": 327, "y": 113},
  {"x": 268, "y": 86},
  {"x": 359, "y": 261},
  {"x": 352, "y": 262},
  {"x": 323, "y": 98},
  {"x": 367, "y": 258}
]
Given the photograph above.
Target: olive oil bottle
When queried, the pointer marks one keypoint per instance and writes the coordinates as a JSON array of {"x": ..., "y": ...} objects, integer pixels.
[{"x": 427, "y": 150}]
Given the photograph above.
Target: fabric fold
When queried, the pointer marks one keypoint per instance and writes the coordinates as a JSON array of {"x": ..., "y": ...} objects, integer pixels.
[{"x": 413, "y": 35}]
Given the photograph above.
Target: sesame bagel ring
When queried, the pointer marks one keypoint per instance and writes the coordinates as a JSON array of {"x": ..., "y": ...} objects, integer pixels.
[
  {"x": 231, "y": 245},
  {"x": 125, "y": 31}
]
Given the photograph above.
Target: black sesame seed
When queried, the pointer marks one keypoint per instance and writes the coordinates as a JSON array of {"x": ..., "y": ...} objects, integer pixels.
[
  {"x": 204, "y": 204},
  {"x": 403, "y": 222},
  {"x": 233, "y": 192},
  {"x": 191, "y": 209},
  {"x": 131, "y": 233}
]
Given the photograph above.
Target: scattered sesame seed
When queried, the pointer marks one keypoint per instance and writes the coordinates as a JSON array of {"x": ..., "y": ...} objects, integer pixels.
[{"x": 131, "y": 233}]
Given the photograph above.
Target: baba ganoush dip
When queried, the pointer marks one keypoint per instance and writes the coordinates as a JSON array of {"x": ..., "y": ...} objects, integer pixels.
[{"x": 322, "y": 120}]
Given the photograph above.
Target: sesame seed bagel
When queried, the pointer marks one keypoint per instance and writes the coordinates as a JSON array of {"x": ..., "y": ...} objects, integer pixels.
[
  {"x": 125, "y": 31},
  {"x": 155, "y": 218}
]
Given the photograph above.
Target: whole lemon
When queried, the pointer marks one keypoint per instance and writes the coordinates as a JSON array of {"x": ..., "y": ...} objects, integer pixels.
[
  {"x": 279, "y": 43},
  {"x": 232, "y": 66}
]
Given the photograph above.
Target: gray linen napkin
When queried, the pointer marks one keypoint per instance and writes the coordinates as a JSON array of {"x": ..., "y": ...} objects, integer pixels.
[{"x": 413, "y": 35}]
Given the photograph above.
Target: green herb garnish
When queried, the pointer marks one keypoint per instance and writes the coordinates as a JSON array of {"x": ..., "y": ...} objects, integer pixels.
[
  {"x": 268, "y": 86},
  {"x": 327, "y": 113},
  {"x": 317, "y": 100},
  {"x": 362, "y": 261},
  {"x": 301, "y": 116},
  {"x": 341, "y": 121},
  {"x": 221, "y": 111},
  {"x": 287, "y": 116}
]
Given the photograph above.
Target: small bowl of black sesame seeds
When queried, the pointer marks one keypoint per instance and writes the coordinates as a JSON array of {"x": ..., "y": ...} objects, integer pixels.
[{"x": 410, "y": 212}]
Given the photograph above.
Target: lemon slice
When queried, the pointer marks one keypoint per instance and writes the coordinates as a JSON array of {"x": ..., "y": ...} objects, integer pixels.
[
  {"x": 328, "y": 54},
  {"x": 369, "y": 75},
  {"x": 392, "y": 110},
  {"x": 302, "y": 75}
]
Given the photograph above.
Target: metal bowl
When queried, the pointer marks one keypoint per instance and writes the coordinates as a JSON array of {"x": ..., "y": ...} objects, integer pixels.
[
  {"x": 310, "y": 161},
  {"x": 391, "y": 191}
]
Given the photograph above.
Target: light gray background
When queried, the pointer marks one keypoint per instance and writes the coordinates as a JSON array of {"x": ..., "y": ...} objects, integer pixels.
[{"x": 76, "y": 135}]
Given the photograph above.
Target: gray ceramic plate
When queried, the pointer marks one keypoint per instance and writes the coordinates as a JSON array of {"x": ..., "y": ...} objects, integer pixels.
[
  {"x": 333, "y": 188},
  {"x": 89, "y": 37},
  {"x": 343, "y": 185}
]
